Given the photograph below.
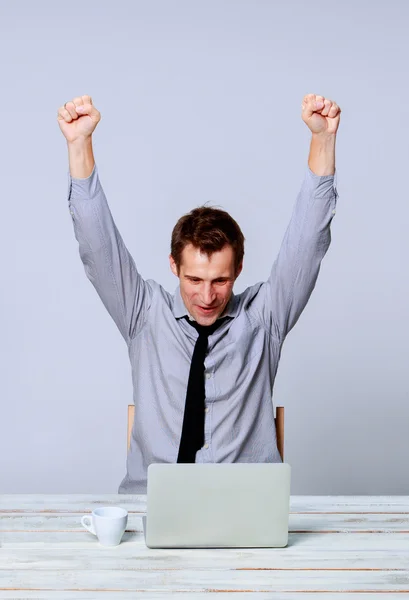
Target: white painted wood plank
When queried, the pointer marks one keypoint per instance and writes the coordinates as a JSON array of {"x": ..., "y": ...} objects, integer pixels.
[
  {"x": 298, "y": 522},
  {"x": 70, "y": 502},
  {"x": 134, "y": 542},
  {"x": 354, "y": 504},
  {"x": 40, "y": 554},
  {"x": 103, "y": 595},
  {"x": 141, "y": 558},
  {"x": 86, "y": 502},
  {"x": 208, "y": 580}
]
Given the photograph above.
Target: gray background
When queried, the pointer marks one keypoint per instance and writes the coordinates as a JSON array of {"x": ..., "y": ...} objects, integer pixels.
[{"x": 200, "y": 101}]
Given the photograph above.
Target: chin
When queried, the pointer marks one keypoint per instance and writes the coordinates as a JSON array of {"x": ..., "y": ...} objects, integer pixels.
[{"x": 207, "y": 319}]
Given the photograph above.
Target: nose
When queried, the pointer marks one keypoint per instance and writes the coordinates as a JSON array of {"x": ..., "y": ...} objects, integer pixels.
[{"x": 208, "y": 295}]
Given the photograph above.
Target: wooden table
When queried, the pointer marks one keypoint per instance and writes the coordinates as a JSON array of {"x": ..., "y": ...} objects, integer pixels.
[{"x": 356, "y": 545}]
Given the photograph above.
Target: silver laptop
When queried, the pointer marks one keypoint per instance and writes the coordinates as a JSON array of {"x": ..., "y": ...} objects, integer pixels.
[{"x": 217, "y": 505}]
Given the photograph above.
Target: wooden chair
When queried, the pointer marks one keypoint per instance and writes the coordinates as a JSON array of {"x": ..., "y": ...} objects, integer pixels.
[{"x": 279, "y": 422}]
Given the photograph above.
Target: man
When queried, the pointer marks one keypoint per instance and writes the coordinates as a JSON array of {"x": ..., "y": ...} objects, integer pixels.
[{"x": 203, "y": 359}]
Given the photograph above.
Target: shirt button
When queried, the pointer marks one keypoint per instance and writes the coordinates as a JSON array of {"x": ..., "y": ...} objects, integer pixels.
[
  {"x": 206, "y": 446},
  {"x": 333, "y": 212},
  {"x": 71, "y": 212},
  {"x": 208, "y": 375},
  {"x": 206, "y": 409}
]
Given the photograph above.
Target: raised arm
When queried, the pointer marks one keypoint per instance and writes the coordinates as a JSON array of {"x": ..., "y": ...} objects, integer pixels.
[
  {"x": 107, "y": 262},
  {"x": 282, "y": 298}
]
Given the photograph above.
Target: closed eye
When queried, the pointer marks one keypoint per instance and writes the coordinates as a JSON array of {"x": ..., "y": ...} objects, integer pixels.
[{"x": 197, "y": 280}]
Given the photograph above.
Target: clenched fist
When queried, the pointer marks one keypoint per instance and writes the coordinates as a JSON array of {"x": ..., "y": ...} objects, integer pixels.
[
  {"x": 320, "y": 114},
  {"x": 78, "y": 118}
]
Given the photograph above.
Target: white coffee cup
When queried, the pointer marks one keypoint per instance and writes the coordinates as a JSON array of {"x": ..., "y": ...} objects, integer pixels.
[{"x": 108, "y": 523}]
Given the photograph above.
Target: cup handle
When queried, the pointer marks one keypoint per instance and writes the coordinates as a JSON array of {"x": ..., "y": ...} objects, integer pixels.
[{"x": 89, "y": 527}]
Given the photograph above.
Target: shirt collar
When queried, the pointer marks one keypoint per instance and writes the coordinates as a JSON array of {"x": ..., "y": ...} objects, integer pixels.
[{"x": 179, "y": 309}]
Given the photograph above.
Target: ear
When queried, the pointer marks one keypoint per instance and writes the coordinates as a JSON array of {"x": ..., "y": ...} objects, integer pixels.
[
  {"x": 240, "y": 267},
  {"x": 173, "y": 266}
]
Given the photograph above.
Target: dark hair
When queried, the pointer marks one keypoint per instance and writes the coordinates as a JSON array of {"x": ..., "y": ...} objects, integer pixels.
[{"x": 208, "y": 229}]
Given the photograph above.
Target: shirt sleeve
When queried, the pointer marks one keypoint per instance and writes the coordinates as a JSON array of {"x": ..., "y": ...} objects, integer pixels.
[
  {"x": 282, "y": 298},
  {"x": 107, "y": 262}
]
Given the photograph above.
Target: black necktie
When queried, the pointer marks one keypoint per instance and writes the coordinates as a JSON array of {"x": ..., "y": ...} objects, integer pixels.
[{"x": 192, "y": 438}]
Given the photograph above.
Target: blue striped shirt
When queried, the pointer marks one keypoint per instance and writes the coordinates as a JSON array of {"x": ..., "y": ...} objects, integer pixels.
[{"x": 243, "y": 354}]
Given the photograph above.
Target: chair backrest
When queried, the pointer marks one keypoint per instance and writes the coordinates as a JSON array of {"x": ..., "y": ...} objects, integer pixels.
[{"x": 279, "y": 422}]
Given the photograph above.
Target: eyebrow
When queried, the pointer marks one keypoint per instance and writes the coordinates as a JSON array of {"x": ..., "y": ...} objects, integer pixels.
[{"x": 223, "y": 278}]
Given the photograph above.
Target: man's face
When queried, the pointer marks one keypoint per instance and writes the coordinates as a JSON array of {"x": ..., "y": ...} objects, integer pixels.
[{"x": 206, "y": 284}]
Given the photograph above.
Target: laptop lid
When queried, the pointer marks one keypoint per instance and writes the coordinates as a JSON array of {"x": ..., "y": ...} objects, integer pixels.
[{"x": 214, "y": 505}]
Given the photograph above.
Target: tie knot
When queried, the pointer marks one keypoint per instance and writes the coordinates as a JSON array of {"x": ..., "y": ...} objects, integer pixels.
[{"x": 206, "y": 330}]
